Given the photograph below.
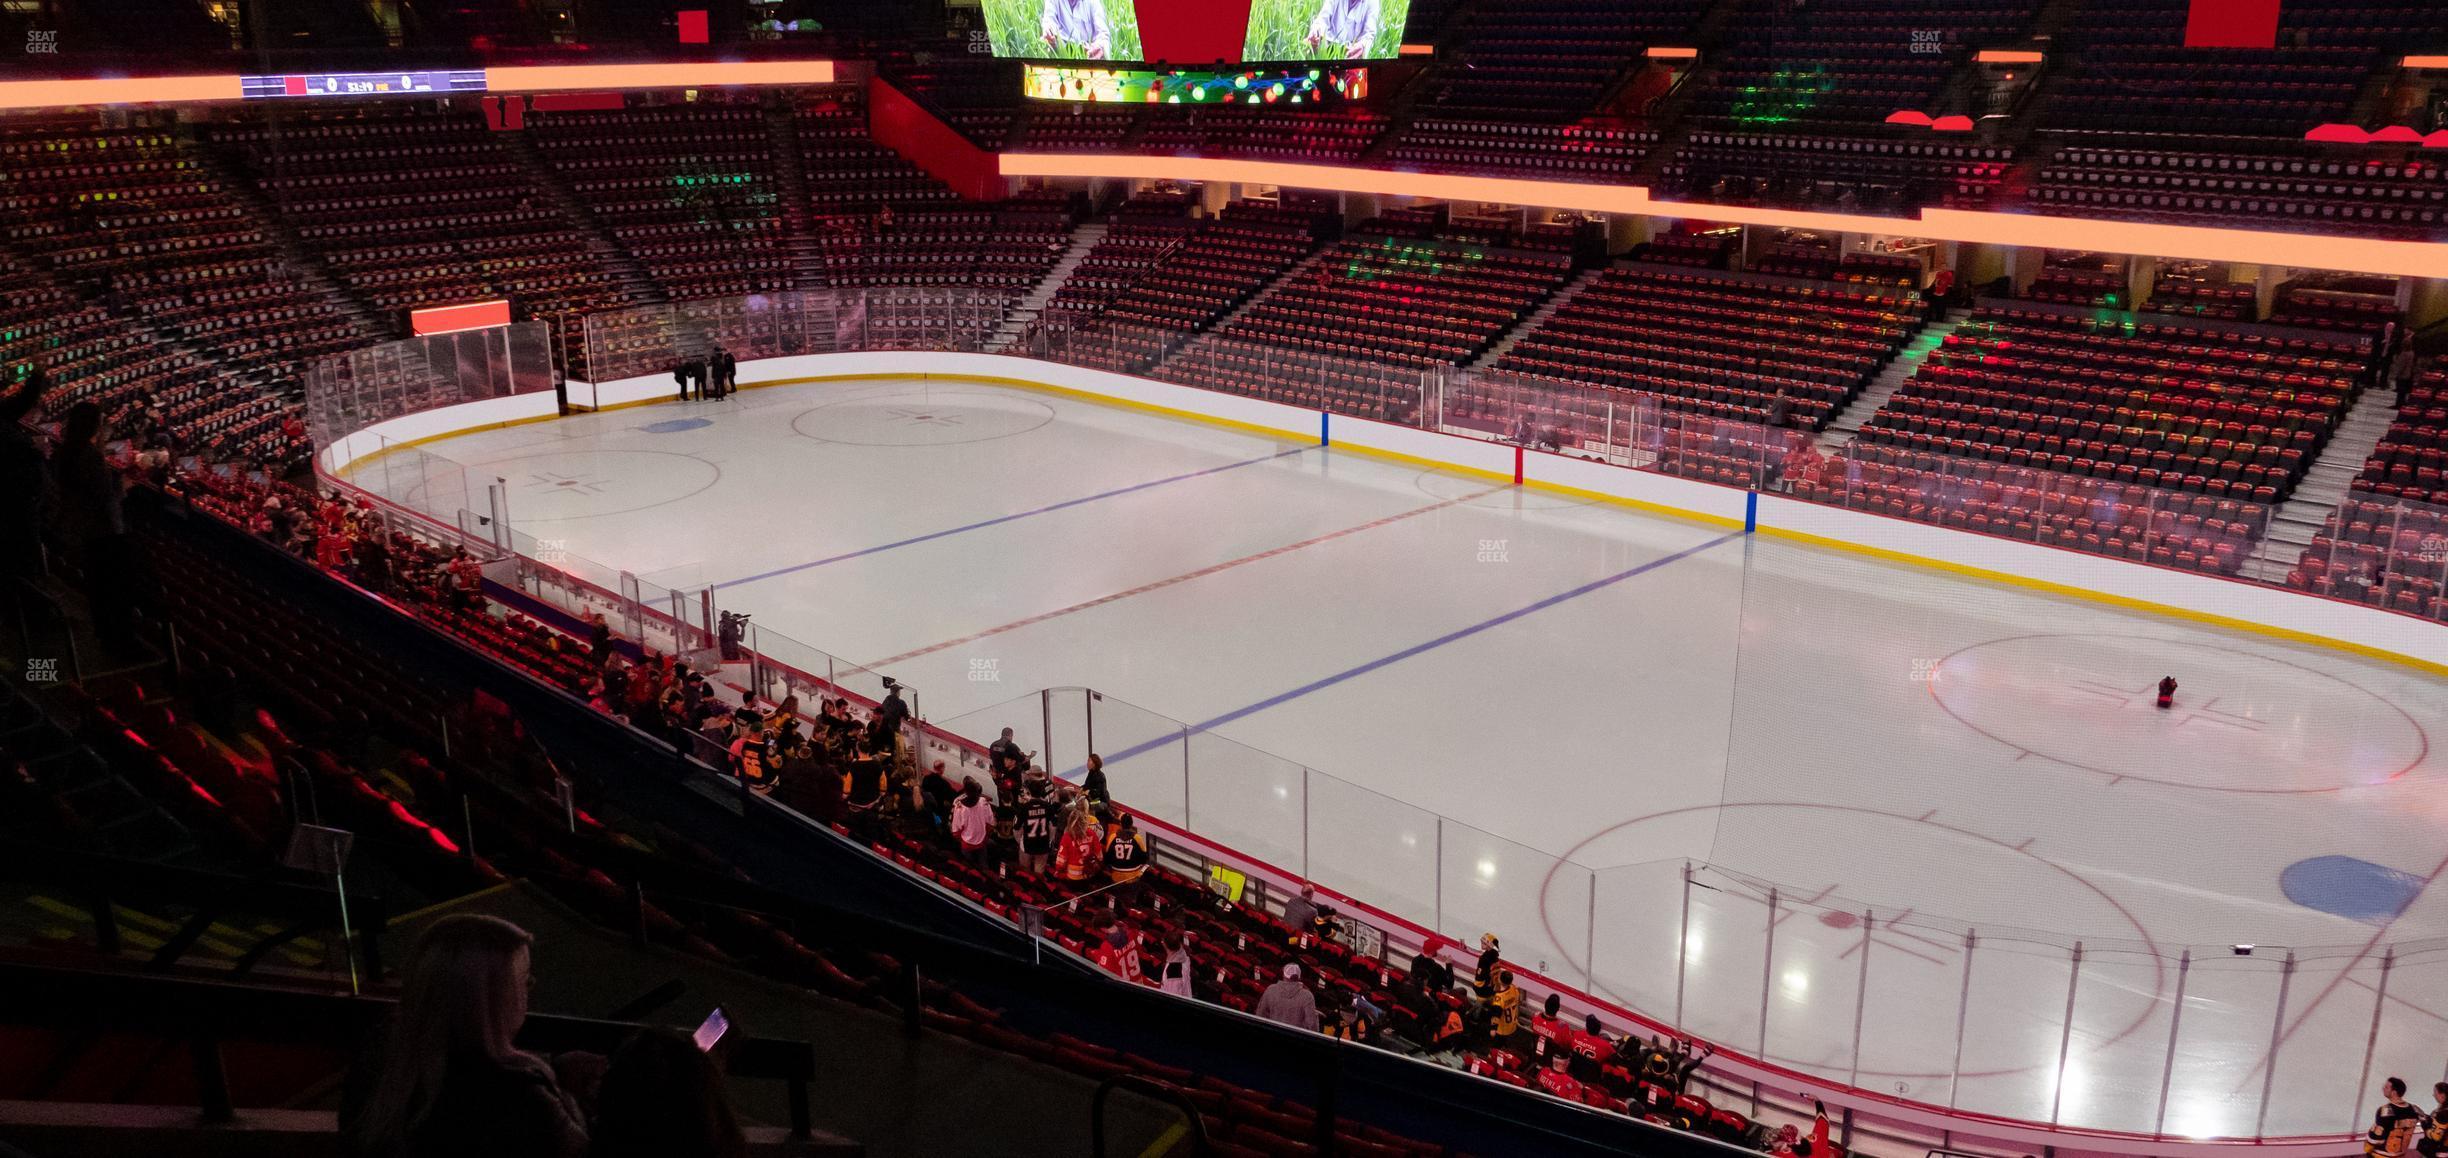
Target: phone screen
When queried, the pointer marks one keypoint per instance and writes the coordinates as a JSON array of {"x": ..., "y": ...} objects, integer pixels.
[{"x": 712, "y": 1029}]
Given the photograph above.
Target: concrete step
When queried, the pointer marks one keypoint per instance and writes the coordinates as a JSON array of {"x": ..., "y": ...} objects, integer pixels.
[
  {"x": 1030, "y": 305},
  {"x": 1538, "y": 317},
  {"x": 2327, "y": 481},
  {"x": 1889, "y": 379}
]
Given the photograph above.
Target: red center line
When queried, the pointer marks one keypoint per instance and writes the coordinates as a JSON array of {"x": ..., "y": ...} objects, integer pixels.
[{"x": 1185, "y": 577}]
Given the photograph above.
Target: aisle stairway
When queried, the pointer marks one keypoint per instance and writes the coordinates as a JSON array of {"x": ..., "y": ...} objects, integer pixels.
[
  {"x": 302, "y": 259},
  {"x": 1024, "y": 313},
  {"x": 1538, "y": 317},
  {"x": 2324, "y": 486},
  {"x": 1848, "y": 421},
  {"x": 610, "y": 252},
  {"x": 799, "y": 233}
]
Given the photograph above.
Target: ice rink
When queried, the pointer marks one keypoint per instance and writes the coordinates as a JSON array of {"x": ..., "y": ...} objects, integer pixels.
[{"x": 1946, "y": 783}]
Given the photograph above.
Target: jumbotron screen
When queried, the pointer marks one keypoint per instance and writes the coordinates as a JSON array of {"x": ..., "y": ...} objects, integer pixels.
[{"x": 1195, "y": 33}]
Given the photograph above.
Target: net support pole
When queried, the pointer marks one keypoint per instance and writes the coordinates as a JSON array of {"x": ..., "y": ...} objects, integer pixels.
[
  {"x": 1767, "y": 971},
  {"x": 1682, "y": 947},
  {"x": 1861, "y": 996},
  {"x": 2065, "y": 1033},
  {"x": 1589, "y": 950},
  {"x": 2167, "y": 1069},
  {"x": 2269, "y": 1064},
  {"x": 1440, "y": 875},
  {"x": 1045, "y": 725},
  {"x": 1185, "y": 743},
  {"x": 2371, "y": 1043},
  {"x": 1963, "y": 1013}
]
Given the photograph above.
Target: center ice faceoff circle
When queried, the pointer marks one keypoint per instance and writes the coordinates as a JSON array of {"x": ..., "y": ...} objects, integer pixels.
[
  {"x": 2241, "y": 721},
  {"x": 923, "y": 418}
]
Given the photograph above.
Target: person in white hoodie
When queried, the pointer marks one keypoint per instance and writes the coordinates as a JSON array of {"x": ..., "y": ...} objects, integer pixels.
[
  {"x": 1289, "y": 1002},
  {"x": 972, "y": 821},
  {"x": 1174, "y": 977}
]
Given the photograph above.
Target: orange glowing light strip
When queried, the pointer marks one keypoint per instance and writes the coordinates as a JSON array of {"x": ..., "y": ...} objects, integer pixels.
[
  {"x": 2007, "y": 56},
  {"x": 703, "y": 74},
  {"x": 2031, "y": 230},
  {"x": 2426, "y": 62},
  {"x": 123, "y": 90},
  {"x": 471, "y": 316},
  {"x": 1658, "y": 53},
  {"x": 1419, "y": 50}
]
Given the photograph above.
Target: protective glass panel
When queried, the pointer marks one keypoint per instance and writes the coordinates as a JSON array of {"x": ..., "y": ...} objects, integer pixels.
[
  {"x": 2329, "y": 1022},
  {"x": 1146, "y": 756},
  {"x": 2119, "y": 1050},
  {"x": 1725, "y": 961},
  {"x": 2230, "y": 1010},
  {"x": 1371, "y": 846},
  {"x": 1247, "y": 800},
  {"x": 1913, "y": 1005},
  {"x": 1639, "y": 935},
  {"x": 1538, "y": 905},
  {"x": 2014, "y": 1026}
]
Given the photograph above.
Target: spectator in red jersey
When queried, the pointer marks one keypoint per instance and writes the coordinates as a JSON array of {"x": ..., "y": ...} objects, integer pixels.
[
  {"x": 1548, "y": 1031},
  {"x": 1817, "y": 1146},
  {"x": 1081, "y": 854},
  {"x": 1557, "y": 1079},
  {"x": 1591, "y": 1049},
  {"x": 1117, "y": 954},
  {"x": 331, "y": 549},
  {"x": 467, "y": 576}
]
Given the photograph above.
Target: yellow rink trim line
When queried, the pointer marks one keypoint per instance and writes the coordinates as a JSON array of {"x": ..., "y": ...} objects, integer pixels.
[
  {"x": 1165, "y": 1142},
  {"x": 2126, "y": 602},
  {"x": 1299, "y": 436},
  {"x": 412, "y": 443},
  {"x": 1965, "y": 570}
]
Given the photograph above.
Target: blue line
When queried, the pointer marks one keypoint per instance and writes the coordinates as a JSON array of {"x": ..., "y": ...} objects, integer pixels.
[
  {"x": 1000, "y": 519},
  {"x": 1323, "y": 415},
  {"x": 1408, "y": 652},
  {"x": 1750, "y": 512}
]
